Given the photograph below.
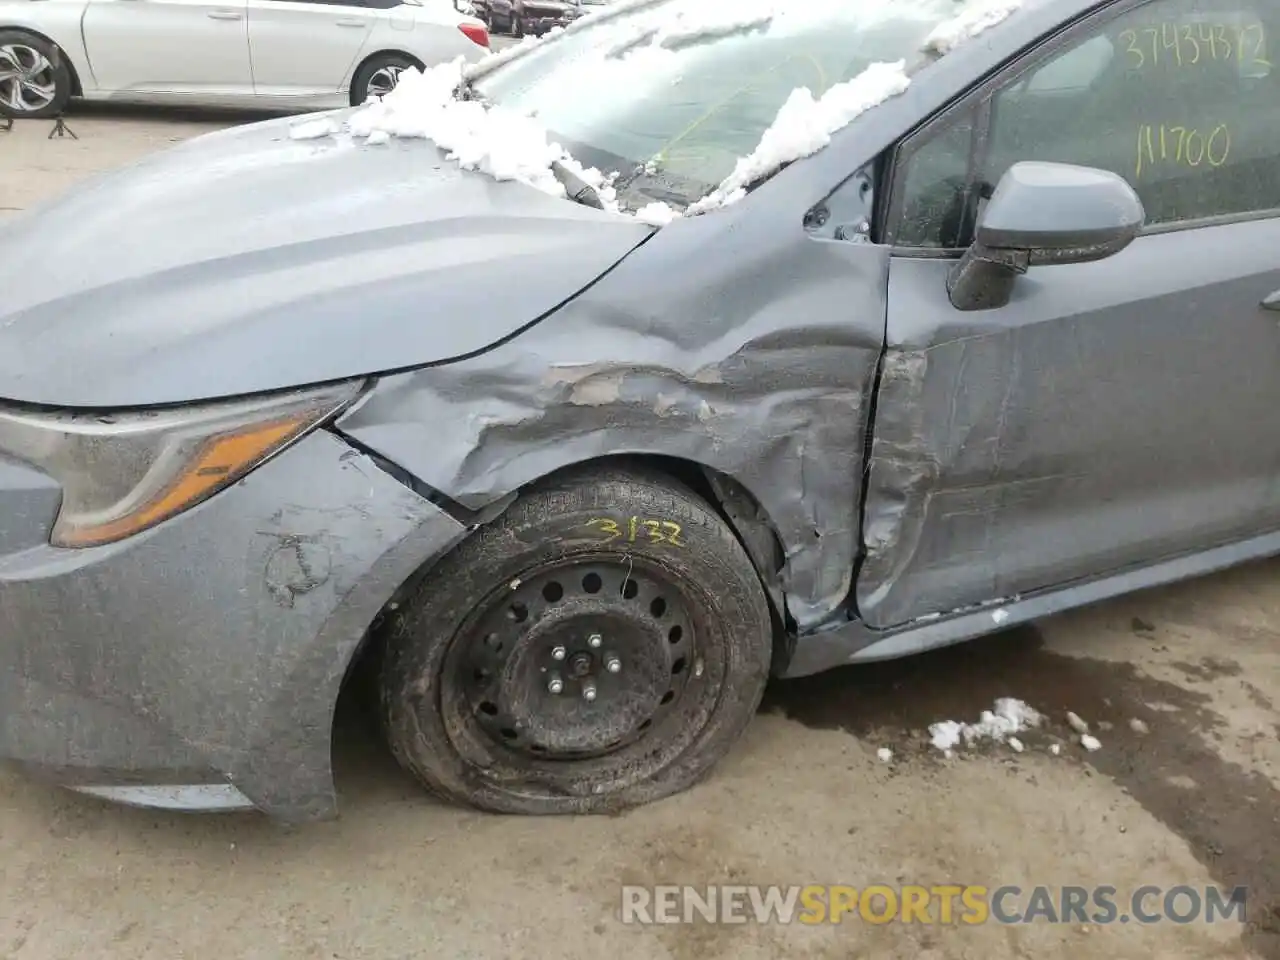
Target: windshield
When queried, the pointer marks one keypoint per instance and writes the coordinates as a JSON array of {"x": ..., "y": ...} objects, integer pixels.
[{"x": 671, "y": 94}]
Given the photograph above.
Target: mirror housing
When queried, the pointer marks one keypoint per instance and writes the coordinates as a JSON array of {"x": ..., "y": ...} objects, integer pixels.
[{"x": 1039, "y": 215}]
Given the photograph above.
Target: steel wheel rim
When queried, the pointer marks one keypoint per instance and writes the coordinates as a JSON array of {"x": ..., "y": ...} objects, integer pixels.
[
  {"x": 27, "y": 79},
  {"x": 556, "y": 667},
  {"x": 384, "y": 80}
]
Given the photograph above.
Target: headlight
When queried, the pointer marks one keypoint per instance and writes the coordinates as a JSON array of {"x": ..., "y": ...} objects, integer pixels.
[{"x": 121, "y": 474}]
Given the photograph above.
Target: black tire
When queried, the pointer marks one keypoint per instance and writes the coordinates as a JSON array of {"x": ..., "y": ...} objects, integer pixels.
[
  {"x": 689, "y": 618},
  {"x": 383, "y": 61},
  {"x": 58, "y": 73}
]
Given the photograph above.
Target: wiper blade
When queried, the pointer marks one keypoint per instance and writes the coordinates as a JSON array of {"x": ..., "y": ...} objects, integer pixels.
[
  {"x": 466, "y": 90},
  {"x": 579, "y": 190}
]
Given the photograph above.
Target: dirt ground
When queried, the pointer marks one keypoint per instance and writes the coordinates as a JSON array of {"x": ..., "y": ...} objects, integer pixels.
[{"x": 804, "y": 799}]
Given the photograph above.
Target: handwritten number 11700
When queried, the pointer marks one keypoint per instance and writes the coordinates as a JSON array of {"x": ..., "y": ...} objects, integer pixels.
[{"x": 1160, "y": 145}]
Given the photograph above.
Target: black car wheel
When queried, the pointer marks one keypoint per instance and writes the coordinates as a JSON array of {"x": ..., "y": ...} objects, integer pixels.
[
  {"x": 601, "y": 645},
  {"x": 379, "y": 76},
  {"x": 35, "y": 81}
]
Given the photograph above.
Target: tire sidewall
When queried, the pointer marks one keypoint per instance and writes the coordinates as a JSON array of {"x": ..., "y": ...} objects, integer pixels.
[
  {"x": 715, "y": 574},
  {"x": 61, "y": 72},
  {"x": 360, "y": 82}
]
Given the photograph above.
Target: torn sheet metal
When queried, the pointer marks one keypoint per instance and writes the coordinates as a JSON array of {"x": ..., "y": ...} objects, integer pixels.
[{"x": 759, "y": 365}]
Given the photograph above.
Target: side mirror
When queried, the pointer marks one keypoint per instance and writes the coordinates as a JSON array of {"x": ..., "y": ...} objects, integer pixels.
[{"x": 1042, "y": 214}]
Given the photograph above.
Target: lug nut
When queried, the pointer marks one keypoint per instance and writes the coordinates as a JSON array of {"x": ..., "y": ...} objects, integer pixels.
[
  {"x": 594, "y": 641},
  {"x": 555, "y": 685},
  {"x": 588, "y": 692},
  {"x": 613, "y": 665},
  {"x": 558, "y": 653}
]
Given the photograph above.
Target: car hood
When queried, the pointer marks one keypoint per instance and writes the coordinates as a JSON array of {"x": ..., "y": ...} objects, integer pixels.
[{"x": 246, "y": 261}]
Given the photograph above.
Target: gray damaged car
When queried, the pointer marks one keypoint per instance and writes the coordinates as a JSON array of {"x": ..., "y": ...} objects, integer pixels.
[{"x": 576, "y": 485}]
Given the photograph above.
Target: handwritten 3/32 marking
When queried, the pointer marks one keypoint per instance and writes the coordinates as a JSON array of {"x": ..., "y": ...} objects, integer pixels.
[
  {"x": 631, "y": 529},
  {"x": 1160, "y": 145},
  {"x": 1188, "y": 44}
]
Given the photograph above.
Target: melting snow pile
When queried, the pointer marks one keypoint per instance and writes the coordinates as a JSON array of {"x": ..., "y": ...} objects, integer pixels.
[
  {"x": 974, "y": 19},
  {"x": 504, "y": 144},
  {"x": 804, "y": 126},
  {"x": 1010, "y": 716},
  {"x": 508, "y": 145}
]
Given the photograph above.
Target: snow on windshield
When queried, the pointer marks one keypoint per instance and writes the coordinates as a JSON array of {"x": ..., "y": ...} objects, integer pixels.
[
  {"x": 805, "y": 125},
  {"x": 973, "y": 19},
  {"x": 508, "y": 145}
]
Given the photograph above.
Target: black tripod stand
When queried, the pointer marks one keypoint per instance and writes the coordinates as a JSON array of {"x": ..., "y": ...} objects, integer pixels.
[{"x": 60, "y": 128}]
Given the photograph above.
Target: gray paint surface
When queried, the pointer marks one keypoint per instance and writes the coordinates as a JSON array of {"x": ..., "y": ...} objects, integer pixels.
[
  {"x": 244, "y": 261},
  {"x": 143, "y": 662},
  {"x": 1108, "y": 417},
  {"x": 1021, "y": 460},
  {"x": 759, "y": 365}
]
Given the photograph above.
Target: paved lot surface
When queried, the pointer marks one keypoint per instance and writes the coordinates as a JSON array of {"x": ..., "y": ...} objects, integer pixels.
[{"x": 1195, "y": 800}]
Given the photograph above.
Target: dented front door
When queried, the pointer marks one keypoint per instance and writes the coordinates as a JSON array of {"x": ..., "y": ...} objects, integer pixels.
[{"x": 1112, "y": 415}]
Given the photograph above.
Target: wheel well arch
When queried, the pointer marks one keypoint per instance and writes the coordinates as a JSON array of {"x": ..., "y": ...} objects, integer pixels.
[
  {"x": 386, "y": 52},
  {"x": 729, "y": 497},
  {"x": 77, "y": 88}
]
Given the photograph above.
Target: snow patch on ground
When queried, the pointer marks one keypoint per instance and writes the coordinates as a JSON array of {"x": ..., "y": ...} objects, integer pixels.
[
  {"x": 804, "y": 126},
  {"x": 976, "y": 18},
  {"x": 1010, "y": 716},
  {"x": 885, "y": 754}
]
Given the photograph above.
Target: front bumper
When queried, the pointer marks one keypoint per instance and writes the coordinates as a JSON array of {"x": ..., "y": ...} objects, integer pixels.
[{"x": 197, "y": 665}]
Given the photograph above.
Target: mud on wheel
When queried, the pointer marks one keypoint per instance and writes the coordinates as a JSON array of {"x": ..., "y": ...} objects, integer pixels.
[{"x": 599, "y": 646}]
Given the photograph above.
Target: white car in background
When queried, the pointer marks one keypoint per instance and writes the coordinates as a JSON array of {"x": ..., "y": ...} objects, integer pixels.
[{"x": 309, "y": 54}]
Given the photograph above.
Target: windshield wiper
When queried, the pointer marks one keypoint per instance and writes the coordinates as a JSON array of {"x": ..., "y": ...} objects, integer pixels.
[
  {"x": 579, "y": 190},
  {"x": 466, "y": 90}
]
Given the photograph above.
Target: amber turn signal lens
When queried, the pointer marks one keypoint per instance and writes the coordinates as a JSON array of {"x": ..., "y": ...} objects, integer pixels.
[{"x": 218, "y": 462}]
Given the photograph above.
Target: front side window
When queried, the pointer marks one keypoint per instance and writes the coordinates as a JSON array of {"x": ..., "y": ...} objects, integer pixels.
[
  {"x": 1180, "y": 97},
  {"x": 682, "y": 89}
]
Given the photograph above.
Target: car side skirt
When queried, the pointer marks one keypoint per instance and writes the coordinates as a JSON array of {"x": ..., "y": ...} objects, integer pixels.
[{"x": 854, "y": 642}]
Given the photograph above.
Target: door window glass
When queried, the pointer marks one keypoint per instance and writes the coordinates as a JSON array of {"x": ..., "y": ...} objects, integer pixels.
[{"x": 1180, "y": 97}]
